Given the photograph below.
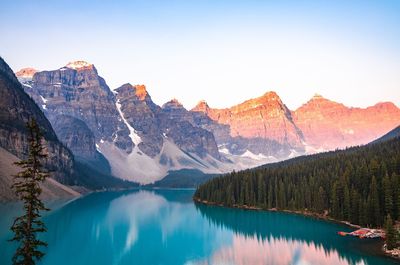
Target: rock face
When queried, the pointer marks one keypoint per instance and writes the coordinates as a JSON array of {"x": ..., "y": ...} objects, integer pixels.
[
  {"x": 126, "y": 126},
  {"x": 163, "y": 139},
  {"x": 329, "y": 125},
  {"x": 77, "y": 91},
  {"x": 16, "y": 108},
  {"x": 261, "y": 125},
  {"x": 265, "y": 117},
  {"x": 137, "y": 108},
  {"x": 76, "y": 135},
  {"x": 179, "y": 125},
  {"x": 152, "y": 124},
  {"x": 266, "y": 126}
]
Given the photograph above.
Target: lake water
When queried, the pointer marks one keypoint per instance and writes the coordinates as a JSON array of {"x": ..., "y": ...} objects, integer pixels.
[{"x": 166, "y": 227}]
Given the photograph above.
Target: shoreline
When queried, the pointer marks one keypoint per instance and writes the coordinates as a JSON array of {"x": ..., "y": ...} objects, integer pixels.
[{"x": 394, "y": 253}]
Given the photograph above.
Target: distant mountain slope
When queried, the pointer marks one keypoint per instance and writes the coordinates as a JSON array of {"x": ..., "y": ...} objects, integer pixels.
[
  {"x": 395, "y": 133},
  {"x": 360, "y": 184},
  {"x": 329, "y": 125},
  {"x": 185, "y": 178},
  {"x": 51, "y": 189}
]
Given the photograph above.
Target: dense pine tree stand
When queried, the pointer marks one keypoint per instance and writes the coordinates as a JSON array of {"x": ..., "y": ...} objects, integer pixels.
[
  {"x": 360, "y": 185},
  {"x": 391, "y": 234},
  {"x": 26, "y": 186}
]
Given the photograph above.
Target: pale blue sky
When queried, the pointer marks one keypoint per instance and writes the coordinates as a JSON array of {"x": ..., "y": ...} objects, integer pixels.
[{"x": 223, "y": 51}]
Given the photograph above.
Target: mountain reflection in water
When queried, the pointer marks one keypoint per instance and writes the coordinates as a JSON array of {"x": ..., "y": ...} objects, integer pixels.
[{"x": 166, "y": 227}]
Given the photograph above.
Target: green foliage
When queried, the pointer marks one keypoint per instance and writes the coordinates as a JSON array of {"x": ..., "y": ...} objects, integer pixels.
[
  {"x": 359, "y": 184},
  {"x": 27, "y": 189},
  {"x": 391, "y": 234}
]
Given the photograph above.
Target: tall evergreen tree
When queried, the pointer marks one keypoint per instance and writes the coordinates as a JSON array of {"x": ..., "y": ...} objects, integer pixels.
[
  {"x": 334, "y": 201},
  {"x": 320, "y": 200},
  {"x": 346, "y": 203},
  {"x": 26, "y": 186},
  {"x": 375, "y": 216},
  {"x": 388, "y": 195},
  {"x": 395, "y": 180},
  {"x": 391, "y": 234}
]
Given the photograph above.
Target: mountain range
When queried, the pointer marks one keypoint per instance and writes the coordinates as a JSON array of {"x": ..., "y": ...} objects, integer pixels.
[{"x": 123, "y": 132}]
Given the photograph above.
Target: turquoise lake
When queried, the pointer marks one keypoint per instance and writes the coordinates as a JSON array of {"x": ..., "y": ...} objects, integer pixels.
[{"x": 165, "y": 227}]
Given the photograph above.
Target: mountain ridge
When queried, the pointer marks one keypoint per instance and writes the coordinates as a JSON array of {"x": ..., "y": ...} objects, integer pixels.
[
  {"x": 126, "y": 123},
  {"x": 140, "y": 140}
]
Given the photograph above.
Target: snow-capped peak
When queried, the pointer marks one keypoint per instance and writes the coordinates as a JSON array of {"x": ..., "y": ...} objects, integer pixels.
[{"x": 78, "y": 65}]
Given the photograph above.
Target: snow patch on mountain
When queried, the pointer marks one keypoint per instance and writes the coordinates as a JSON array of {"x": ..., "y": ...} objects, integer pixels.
[
  {"x": 253, "y": 156},
  {"x": 239, "y": 162},
  {"x": 244, "y": 161},
  {"x": 44, "y": 106},
  {"x": 224, "y": 150},
  {"x": 132, "y": 132},
  {"x": 43, "y": 99}
]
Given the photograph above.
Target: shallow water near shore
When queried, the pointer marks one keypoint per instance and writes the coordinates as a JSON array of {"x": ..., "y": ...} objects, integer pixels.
[{"x": 166, "y": 227}]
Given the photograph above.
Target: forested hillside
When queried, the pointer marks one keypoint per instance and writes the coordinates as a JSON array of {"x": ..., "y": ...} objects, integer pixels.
[{"x": 360, "y": 185}]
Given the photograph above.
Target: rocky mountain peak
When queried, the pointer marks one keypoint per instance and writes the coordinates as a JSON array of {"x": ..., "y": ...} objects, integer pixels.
[
  {"x": 138, "y": 91},
  {"x": 26, "y": 72},
  {"x": 173, "y": 104},
  {"x": 141, "y": 91},
  {"x": 386, "y": 105},
  {"x": 79, "y": 65},
  {"x": 317, "y": 97},
  {"x": 271, "y": 95},
  {"x": 202, "y": 106},
  {"x": 319, "y": 102},
  {"x": 269, "y": 100}
]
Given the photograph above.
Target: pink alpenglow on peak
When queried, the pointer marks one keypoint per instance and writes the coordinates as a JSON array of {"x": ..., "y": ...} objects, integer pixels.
[
  {"x": 26, "y": 72},
  {"x": 271, "y": 95},
  {"x": 77, "y": 65},
  {"x": 317, "y": 96},
  {"x": 202, "y": 106}
]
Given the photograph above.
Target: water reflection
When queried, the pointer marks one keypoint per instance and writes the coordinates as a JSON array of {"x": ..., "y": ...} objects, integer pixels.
[
  {"x": 165, "y": 227},
  {"x": 279, "y": 238},
  {"x": 142, "y": 227},
  {"x": 250, "y": 250}
]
